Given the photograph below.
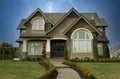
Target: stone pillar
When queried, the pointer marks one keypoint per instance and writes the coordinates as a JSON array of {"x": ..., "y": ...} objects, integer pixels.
[{"x": 48, "y": 48}]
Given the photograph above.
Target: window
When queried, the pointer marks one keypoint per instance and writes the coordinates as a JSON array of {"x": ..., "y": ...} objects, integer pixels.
[
  {"x": 100, "y": 49},
  {"x": 38, "y": 23},
  {"x": 81, "y": 41},
  {"x": 35, "y": 48}
]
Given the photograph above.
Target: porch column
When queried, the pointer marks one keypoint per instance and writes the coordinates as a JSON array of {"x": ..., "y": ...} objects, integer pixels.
[
  {"x": 24, "y": 46},
  {"x": 48, "y": 48}
]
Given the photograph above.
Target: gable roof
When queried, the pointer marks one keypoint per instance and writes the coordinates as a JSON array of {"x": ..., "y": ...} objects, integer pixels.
[
  {"x": 56, "y": 18},
  {"x": 70, "y": 11},
  {"x": 82, "y": 17}
]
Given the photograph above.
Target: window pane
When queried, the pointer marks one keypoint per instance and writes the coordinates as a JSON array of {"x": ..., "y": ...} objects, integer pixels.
[
  {"x": 88, "y": 45},
  {"x": 81, "y": 35},
  {"x": 38, "y": 24},
  {"x": 82, "y": 42},
  {"x": 82, "y": 46},
  {"x": 87, "y": 36},
  {"x": 100, "y": 49},
  {"x": 75, "y": 45}
]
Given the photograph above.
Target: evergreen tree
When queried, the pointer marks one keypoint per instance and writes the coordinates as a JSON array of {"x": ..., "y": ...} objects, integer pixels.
[
  {"x": 95, "y": 49},
  {"x": 65, "y": 52},
  {"x": 44, "y": 51},
  {"x": 107, "y": 52}
]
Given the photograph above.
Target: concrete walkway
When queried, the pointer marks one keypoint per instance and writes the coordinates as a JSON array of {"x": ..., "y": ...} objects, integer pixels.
[{"x": 64, "y": 71}]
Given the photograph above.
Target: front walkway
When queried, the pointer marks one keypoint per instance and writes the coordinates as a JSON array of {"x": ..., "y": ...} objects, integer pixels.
[{"x": 64, "y": 71}]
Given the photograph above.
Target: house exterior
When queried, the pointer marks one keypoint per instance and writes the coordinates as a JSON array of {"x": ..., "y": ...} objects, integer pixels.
[
  {"x": 115, "y": 52},
  {"x": 79, "y": 31}
]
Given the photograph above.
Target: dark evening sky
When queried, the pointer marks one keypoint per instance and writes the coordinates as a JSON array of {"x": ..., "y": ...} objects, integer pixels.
[{"x": 12, "y": 11}]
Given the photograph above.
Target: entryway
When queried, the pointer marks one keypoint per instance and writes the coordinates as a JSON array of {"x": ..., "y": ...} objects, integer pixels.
[{"x": 57, "y": 48}]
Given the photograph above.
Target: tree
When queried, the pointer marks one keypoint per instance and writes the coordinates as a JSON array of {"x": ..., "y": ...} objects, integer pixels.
[
  {"x": 44, "y": 51},
  {"x": 107, "y": 52},
  {"x": 65, "y": 52},
  {"x": 7, "y": 50},
  {"x": 95, "y": 49}
]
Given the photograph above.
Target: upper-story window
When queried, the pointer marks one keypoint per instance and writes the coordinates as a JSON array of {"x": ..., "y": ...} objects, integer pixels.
[{"x": 38, "y": 23}]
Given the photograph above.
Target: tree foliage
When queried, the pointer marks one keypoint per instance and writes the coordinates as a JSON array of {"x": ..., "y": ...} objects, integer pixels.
[
  {"x": 7, "y": 50},
  {"x": 44, "y": 51},
  {"x": 95, "y": 50},
  {"x": 65, "y": 52},
  {"x": 107, "y": 52}
]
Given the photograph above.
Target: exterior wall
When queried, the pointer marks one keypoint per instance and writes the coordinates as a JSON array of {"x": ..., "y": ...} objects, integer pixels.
[{"x": 81, "y": 55}]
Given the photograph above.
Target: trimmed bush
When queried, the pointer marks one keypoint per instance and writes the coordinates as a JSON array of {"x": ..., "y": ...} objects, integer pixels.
[
  {"x": 44, "y": 51},
  {"x": 95, "y": 49},
  {"x": 50, "y": 70},
  {"x": 65, "y": 52},
  {"x": 107, "y": 52},
  {"x": 95, "y": 60},
  {"x": 84, "y": 71}
]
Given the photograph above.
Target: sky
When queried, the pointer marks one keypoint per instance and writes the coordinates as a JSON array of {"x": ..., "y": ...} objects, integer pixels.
[{"x": 12, "y": 11}]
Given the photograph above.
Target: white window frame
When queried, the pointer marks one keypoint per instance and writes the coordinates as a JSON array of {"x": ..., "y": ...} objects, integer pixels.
[
  {"x": 100, "y": 49},
  {"x": 34, "y": 46},
  {"x": 87, "y": 32},
  {"x": 38, "y": 23}
]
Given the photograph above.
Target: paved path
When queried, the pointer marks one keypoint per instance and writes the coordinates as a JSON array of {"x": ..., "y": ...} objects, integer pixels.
[{"x": 64, "y": 71}]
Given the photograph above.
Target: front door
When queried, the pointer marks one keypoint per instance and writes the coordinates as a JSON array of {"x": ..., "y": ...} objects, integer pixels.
[{"x": 57, "y": 48}]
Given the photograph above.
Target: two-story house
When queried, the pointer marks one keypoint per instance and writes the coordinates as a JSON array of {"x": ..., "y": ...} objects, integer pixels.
[{"x": 80, "y": 31}]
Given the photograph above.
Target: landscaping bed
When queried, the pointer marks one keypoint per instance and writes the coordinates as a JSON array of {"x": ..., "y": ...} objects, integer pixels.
[
  {"x": 51, "y": 72},
  {"x": 20, "y": 70}
]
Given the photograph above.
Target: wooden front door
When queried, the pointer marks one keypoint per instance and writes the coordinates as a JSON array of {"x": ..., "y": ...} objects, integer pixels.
[{"x": 57, "y": 48}]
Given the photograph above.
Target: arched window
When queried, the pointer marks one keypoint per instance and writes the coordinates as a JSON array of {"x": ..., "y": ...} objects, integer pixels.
[
  {"x": 82, "y": 40},
  {"x": 38, "y": 23}
]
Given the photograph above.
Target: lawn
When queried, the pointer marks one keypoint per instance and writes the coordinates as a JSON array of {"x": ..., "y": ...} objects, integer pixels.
[
  {"x": 20, "y": 70},
  {"x": 104, "y": 70}
]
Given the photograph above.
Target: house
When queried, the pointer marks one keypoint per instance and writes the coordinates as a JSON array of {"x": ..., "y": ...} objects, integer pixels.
[
  {"x": 115, "y": 52},
  {"x": 79, "y": 31}
]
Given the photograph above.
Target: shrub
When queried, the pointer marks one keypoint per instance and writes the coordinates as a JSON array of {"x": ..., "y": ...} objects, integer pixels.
[
  {"x": 95, "y": 49},
  {"x": 50, "y": 71},
  {"x": 107, "y": 52},
  {"x": 44, "y": 51},
  {"x": 65, "y": 52},
  {"x": 81, "y": 68}
]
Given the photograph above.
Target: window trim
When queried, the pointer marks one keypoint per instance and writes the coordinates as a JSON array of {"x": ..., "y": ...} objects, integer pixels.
[
  {"x": 34, "y": 20},
  {"x": 90, "y": 39}
]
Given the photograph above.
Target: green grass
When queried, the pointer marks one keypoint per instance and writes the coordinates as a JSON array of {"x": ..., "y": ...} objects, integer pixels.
[
  {"x": 20, "y": 70},
  {"x": 104, "y": 70}
]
